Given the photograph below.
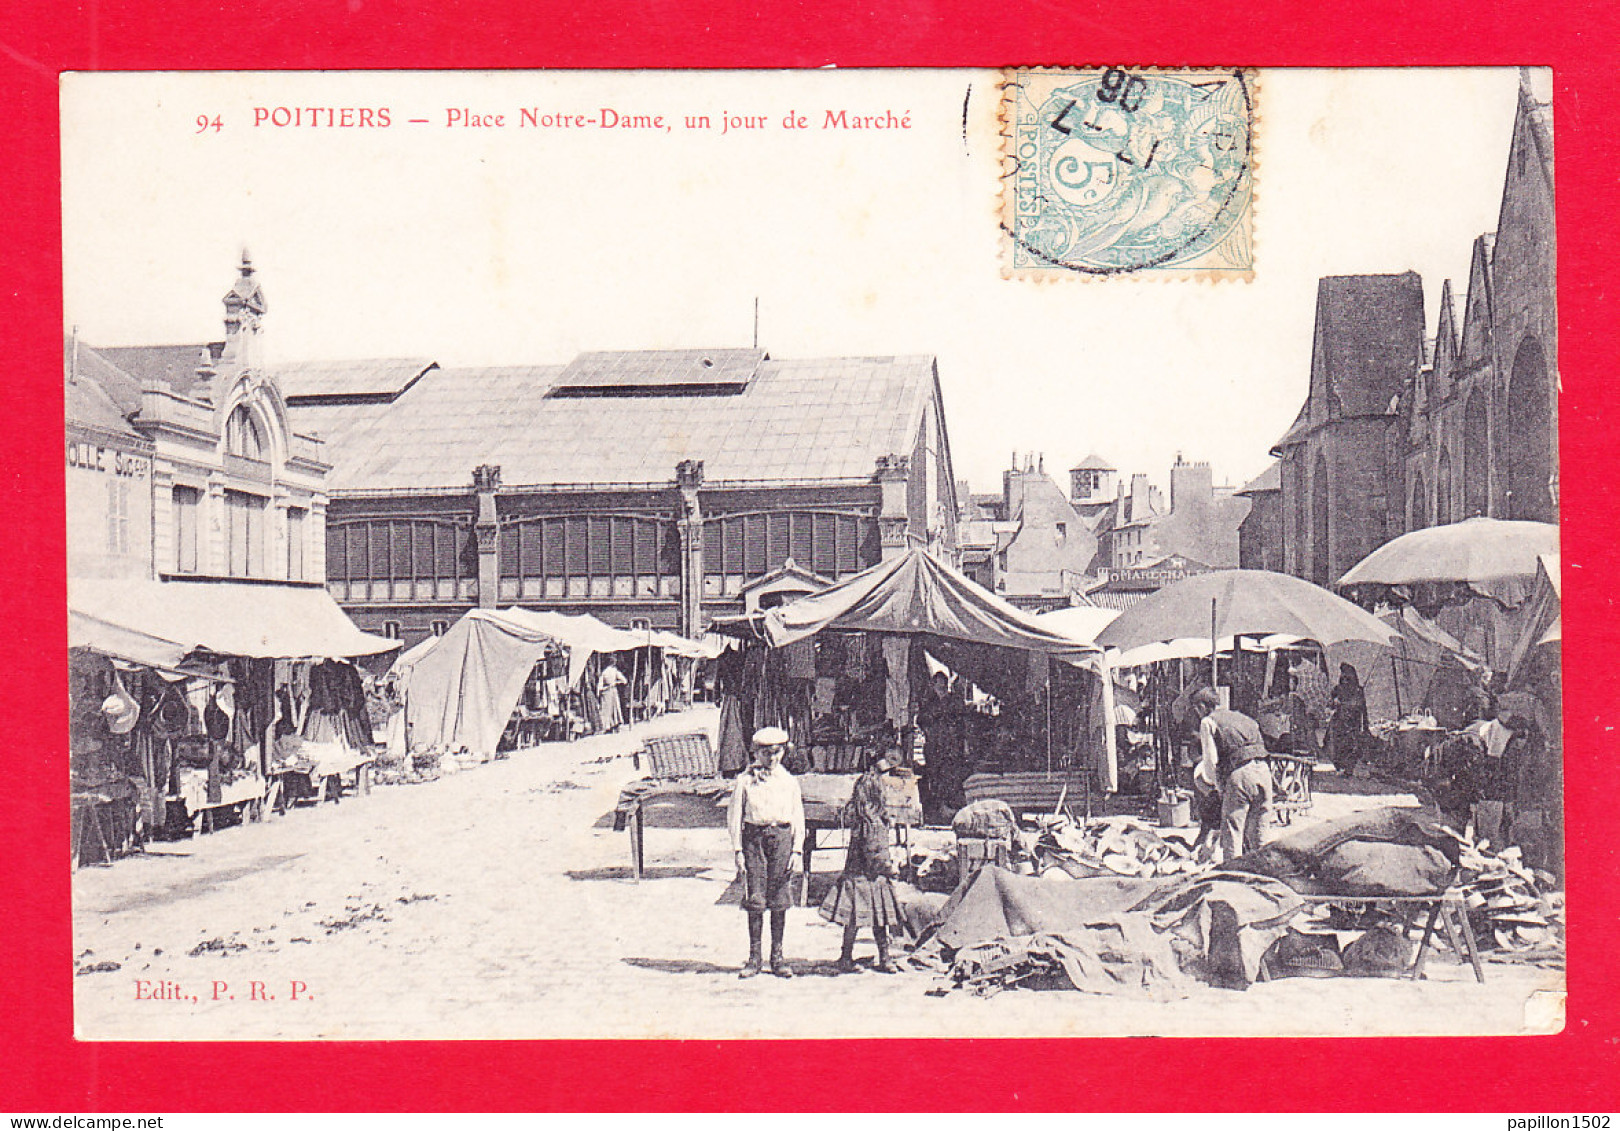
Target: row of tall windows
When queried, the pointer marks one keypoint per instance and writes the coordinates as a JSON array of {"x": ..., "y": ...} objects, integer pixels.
[
  {"x": 245, "y": 534},
  {"x": 585, "y": 556}
]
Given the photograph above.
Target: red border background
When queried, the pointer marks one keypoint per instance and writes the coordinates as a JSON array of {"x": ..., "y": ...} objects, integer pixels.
[{"x": 43, "y": 1069}]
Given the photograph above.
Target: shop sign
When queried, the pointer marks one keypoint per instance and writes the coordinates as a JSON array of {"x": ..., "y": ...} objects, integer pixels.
[{"x": 94, "y": 457}]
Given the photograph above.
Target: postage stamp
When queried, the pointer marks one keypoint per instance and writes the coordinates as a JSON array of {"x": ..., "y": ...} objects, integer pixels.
[{"x": 1114, "y": 171}]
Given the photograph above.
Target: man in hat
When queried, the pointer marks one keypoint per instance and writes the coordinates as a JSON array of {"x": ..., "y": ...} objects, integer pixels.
[
  {"x": 1235, "y": 750},
  {"x": 766, "y": 820}
]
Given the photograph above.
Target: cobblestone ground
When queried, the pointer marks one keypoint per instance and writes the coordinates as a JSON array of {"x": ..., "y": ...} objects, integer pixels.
[{"x": 498, "y": 903}]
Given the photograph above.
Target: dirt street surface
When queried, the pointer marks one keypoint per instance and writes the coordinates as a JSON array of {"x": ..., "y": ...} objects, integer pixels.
[{"x": 498, "y": 903}]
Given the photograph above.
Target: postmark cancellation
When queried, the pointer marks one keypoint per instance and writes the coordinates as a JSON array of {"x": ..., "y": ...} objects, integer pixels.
[{"x": 1110, "y": 171}]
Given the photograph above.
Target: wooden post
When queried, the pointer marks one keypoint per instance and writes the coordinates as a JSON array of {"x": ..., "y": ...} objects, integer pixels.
[{"x": 269, "y": 738}]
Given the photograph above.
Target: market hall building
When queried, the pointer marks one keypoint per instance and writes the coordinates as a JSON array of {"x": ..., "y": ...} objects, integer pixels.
[{"x": 648, "y": 488}]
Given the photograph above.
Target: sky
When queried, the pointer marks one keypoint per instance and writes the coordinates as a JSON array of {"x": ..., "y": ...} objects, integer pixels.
[{"x": 483, "y": 245}]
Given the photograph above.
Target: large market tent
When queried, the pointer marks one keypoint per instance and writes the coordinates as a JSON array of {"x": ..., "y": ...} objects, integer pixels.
[
  {"x": 463, "y": 691},
  {"x": 970, "y": 629},
  {"x": 461, "y": 688}
]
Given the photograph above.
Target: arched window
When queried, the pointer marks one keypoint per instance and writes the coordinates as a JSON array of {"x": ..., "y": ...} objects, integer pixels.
[
  {"x": 1321, "y": 565},
  {"x": 243, "y": 436},
  {"x": 1476, "y": 461},
  {"x": 1528, "y": 440},
  {"x": 1442, "y": 490}
]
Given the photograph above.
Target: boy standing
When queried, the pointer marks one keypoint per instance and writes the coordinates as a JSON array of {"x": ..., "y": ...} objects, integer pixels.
[{"x": 766, "y": 821}]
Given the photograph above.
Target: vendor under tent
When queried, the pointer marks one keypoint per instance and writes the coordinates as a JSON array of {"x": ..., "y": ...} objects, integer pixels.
[
  {"x": 849, "y": 665},
  {"x": 189, "y": 698}
]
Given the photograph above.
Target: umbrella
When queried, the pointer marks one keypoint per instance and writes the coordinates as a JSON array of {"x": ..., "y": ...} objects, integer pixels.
[
  {"x": 1243, "y": 602},
  {"x": 1197, "y": 648},
  {"x": 1476, "y": 552}
]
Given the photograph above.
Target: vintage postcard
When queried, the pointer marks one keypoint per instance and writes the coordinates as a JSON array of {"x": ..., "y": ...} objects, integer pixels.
[{"x": 1061, "y": 551}]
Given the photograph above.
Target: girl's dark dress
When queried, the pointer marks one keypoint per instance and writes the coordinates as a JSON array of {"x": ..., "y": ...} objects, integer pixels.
[{"x": 864, "y": 893}]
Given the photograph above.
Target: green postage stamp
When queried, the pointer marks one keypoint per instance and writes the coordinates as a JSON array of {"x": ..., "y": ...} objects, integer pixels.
[{"x": 1114, "y": 171}]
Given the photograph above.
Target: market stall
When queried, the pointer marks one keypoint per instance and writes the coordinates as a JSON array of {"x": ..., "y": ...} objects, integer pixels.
[
  {"x": 190, "y": 698},
  {"x": 499, "y": 679},
  {"x": 912, "y": 647},
  {"x": 1257, "y": 614},
  {"x": 1494, "y": 751}
]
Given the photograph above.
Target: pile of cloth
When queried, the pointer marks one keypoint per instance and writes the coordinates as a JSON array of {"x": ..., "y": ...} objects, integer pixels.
[
  {"x": 1120, "y": 846},
  {"x": 1109, "y": 935},
  {"x": 1392, "y": 850},
  {"x": 1506, "y": 903}
]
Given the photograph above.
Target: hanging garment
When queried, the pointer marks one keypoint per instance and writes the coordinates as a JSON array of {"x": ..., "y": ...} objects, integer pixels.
[
  {"x": 857, "y": 658},
  {"x": 800, "y": 659},
  {"x": 897, "y": 681},
  {"x": 733, "y": 752},
  {"x": 120, "y": 709},
  {"x": 822, "y": 698},
  {"x": 216, "y": 721}
]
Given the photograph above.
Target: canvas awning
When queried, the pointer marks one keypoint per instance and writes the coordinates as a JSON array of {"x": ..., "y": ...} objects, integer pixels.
[
  {"x": 157, "y": 622},
  {"x": 581, "y": 633},
  {"x": 961, "y": 622},
  {"x": 916, "y": 595},
  {"x": 1542, "y": 621}
]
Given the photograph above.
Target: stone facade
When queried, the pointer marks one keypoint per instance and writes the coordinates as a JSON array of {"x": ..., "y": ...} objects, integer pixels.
[
  {"x": 204, "y": 475},
  {"x": 1483, "y": 416},
  {"x": 1397, "y": 433}
]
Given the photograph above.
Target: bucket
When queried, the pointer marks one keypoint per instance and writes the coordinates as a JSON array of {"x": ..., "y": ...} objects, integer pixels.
[{"x": 1175, "y": 812}]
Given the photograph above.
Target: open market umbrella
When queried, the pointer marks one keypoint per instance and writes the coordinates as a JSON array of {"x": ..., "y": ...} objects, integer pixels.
[
  {"x": 1243, "y": 602},
  {"x": 1482, "y": 553},
  {"x": 1197, "y": 648}
]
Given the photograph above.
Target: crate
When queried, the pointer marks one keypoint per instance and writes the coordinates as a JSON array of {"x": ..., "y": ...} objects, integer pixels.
[
  {"x": 974, "y": 852},
  {"x": 678, "y": 756}
]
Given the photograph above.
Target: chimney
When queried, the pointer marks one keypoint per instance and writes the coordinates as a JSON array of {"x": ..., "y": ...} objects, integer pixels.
[
  {"x": 1192, "y": 486},
  {"x": 1141, "y": 497}
]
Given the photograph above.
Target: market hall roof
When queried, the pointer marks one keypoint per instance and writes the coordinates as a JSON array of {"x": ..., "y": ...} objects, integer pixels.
[
  {"x": 379, "y": 379},
  {"x": 760, "y": 419}
]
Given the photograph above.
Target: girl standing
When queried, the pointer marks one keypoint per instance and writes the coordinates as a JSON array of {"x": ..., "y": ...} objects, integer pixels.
[{"x": 864, "y": 895}]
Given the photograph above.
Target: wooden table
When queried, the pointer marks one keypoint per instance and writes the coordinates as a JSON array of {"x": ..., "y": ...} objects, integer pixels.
[
  {"x": 702, "y": 802},
  {"x": 1445, "y": 908}
]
